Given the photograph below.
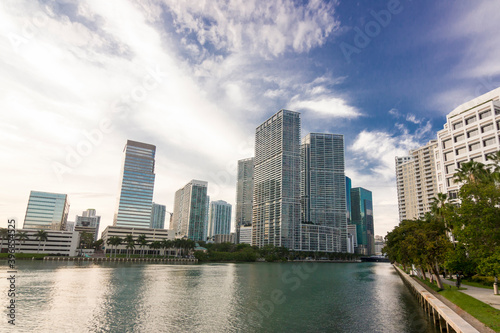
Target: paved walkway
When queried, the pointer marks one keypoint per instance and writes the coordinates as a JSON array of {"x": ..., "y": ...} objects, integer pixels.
[{"x": 482, "y": 294}]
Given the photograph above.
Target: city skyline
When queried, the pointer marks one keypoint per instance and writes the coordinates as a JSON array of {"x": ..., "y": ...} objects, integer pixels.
[{"x": 78, "y": 82}]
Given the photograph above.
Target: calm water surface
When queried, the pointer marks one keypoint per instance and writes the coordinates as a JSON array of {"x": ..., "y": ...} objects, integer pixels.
[{"x": 254, "y": 297}]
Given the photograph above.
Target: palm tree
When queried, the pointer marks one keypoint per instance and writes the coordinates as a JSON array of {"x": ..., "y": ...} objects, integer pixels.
[
  {"x": 22, "y": 237},
  {"x": 165, "y": 245},
  {"x": 472, "y": 171},
  {"x": 114, "y": 241},
  {"x": 155, "y": 245},
  {"x": 141, "y": 240},
  {"x": 41, "y": 236},
  {"x": 4, "y": 234},
  {"x": 130, "y": 241}
]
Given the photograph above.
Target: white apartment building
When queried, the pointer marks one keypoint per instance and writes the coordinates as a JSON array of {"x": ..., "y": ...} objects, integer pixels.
[
  {"x": 60, "y": 243},
  {"x": 416, "y": 181},
  {"x": 471, "y": 132}
]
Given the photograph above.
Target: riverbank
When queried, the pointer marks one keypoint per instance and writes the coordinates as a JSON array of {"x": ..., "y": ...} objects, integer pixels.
[{"x": 440, "y": 308}]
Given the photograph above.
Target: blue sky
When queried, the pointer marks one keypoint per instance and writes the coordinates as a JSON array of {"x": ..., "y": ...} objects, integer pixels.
[{"x": 195, "y": 78}]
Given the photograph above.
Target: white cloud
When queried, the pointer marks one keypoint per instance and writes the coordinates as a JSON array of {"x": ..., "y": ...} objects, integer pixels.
[
  {"x": 412, "y": 118},
  {"x": 325, "y": 106}
]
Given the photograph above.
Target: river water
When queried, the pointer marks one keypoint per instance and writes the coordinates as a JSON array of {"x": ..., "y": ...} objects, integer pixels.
[{"x": 253, "y": 297}]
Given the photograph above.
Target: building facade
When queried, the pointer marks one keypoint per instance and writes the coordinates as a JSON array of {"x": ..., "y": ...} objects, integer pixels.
[
  {"x": 61, "y": 243},
  {"x": 190, "y": 214},
  {"x": 244, "y": 194},
  {"x": 471, "y": 133},
  {"x": 88, "y": 222},
  {"x": 362, "y": 217},
  {"x": 245, "y": 234},
  {"x": 47, "y": 211},
  {"x": 122, "y": 232},
  {"x": 137, "y": 185},
  {"x": 158, "y": 216},
  {"x": 323, "y": 189},
  {"x": 219, "y": 220},
  {"x": 276, "y": 203},
  {"x": 416, "y": 181}
]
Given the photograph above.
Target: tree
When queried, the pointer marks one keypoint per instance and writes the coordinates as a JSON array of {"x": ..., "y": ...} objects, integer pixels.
[
  {"x": 22, "y": 237},
  {"x": 130, "y": 243},
  {"x": 165, "y": 244},
  {"x": 41, "y": 236},
  {"x": 141, "y": 240},
  {"x": 86, "y": 240},
  {"x": 97, "y": 244},
  {"x": 155, "y": 245}
]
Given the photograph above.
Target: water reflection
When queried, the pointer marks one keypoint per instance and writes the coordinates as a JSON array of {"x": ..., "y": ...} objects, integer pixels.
[{"x": 256, "y": 297}]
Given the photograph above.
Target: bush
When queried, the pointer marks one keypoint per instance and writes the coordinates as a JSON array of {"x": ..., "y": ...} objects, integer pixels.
[{"x": 484, "y": 280}]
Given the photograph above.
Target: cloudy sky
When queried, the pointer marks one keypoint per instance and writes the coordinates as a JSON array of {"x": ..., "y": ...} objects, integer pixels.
[{"x": 195, "y": 78}]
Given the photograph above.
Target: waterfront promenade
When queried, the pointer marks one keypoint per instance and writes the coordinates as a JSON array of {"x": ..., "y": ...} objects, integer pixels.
[{"x": 482, "y": 294}]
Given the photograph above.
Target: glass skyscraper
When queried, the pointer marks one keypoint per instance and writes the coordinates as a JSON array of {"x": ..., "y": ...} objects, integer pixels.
[
  {"x": 219, "y": 220},
  {"x": 136, "y": 190},
  {"x": 323, "y": 188},
  {"x": 244, "y": 195},
  {"x": 190, "y": 215},
  {"x": 48, "y": 211},
  {"x": 362, "y": 217},
  {"x": 276, "y": 204},
  {"x": 158, "y": 216}
]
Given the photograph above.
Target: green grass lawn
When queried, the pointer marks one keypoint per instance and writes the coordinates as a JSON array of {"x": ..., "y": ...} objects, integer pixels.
[
  {"x": 476, "y": 284},
  {"x": 483, "y": 312}
]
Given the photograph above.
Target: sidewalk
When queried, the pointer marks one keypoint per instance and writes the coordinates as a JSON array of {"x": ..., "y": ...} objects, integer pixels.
[{"x": 482, "y": 294}]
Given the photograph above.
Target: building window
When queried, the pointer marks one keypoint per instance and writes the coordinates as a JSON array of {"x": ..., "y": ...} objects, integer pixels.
[
  {"x": 470, "y": 120},
  {"x": 474, "y": 146},
  {"x": 472, "y": 133},
  {"x": 450, "y": 168},
  {"x": 461, "y": 151},
  {"x": 489, "y": 142},
  {"x": 487, "y": 128},
  {"x": 458, "y": 125},
  {"x": 447, "y": 144},
  {"x": 485, "y": 114},
  {"x": 459, "y": 138}
]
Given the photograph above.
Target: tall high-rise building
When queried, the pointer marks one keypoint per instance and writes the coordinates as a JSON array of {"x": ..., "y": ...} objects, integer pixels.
[
  {"x": 48, "y": 211},
  {"x": 348, "y": 186},
  {"x": 323, "y": 193},
  {"x": 276, "y": 204},
  {"x": 136, "y": 188},
  {"x": 471, "y": 133},
  {"x": 219, "y": 220},
  {"x": 416, "y": 181},
  {"x": 88, "y": 222},
  {"x": 362, "y": 217},
  {"x": 158, "y": 216},
  {"x": 244, "y": 195},
  {"x": 191, "y": 211}
]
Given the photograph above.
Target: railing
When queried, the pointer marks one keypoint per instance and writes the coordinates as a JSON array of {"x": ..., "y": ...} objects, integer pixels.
[{"x": 102, "y": 259}]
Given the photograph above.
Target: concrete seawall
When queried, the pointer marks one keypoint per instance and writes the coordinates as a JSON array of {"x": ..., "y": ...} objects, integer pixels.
[
  {"x": 158, "y": 260},
  {"x": 443, "y": 317}
]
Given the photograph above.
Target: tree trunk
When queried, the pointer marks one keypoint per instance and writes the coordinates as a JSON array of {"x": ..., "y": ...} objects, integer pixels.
[
  {"x": 423, "y": 273},
  {"x": 438, "y": 279}
]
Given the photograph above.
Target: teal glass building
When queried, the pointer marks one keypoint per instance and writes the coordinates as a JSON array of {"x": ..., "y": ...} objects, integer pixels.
[
  {"x": 48, "y": 211},
  {"x": 362, "y": 217},
  {"x": 158, "y": 216},
  {"x": 136, "y": 190},
  {"x": 219, "y": 220},
  {"x": 190, "y": 217}
]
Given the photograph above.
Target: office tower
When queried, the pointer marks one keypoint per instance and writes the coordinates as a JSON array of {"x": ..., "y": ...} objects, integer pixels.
[
  {"x": 88, "y": 222},
  {"x": 276, "y": 204},
  {"x": 416, "y": 181},
  {"x": 158, "y": 216},
  {"x": 348, "y": 186},
  {"x": 244, "y": 195},
  {"x": 48, "y": 211},
  {"x": 219, "y": 221},
  {"x": 136, "y": 188},
  {"x": 323, "y": 193},
  {"x": 471, "y": 133},
  {"x": 191, "y": 211},
  {"x": 352, "y": 238},
  {"x": 362, "y": 217}
]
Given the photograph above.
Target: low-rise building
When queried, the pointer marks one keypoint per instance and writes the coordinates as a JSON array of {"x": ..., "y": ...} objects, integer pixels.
[
  {"x": 61, "y": 243},
  {"x": 122, "y": 232}
]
